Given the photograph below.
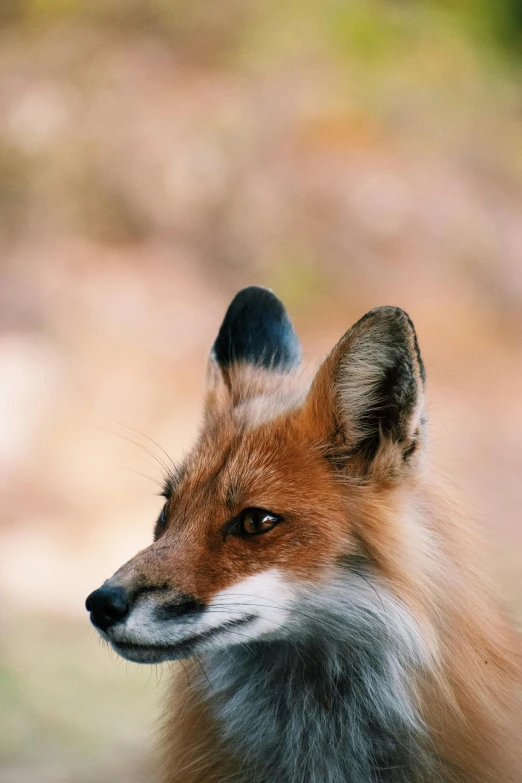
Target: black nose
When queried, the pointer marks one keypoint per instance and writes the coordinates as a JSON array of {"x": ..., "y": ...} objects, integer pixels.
[{"x": 107, "y": 605}]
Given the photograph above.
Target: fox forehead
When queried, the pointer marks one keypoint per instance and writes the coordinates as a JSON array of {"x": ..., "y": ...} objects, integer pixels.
[{"x": 234, "y": 466}]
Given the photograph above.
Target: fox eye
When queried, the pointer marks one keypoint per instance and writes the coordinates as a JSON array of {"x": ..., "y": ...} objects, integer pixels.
[
  {"x": 161, "y": 522},
  {"x": 253, "y": 521}
]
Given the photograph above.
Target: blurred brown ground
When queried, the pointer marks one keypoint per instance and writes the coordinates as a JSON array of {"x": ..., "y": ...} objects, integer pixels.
[{"x": 156, "y": 157}]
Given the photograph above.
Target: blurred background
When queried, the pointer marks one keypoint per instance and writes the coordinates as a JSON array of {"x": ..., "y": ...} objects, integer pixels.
[{"x": 155, "y": 157}]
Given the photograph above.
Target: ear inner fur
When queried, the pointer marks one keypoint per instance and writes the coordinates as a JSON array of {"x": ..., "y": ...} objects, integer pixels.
[{"x": 368, "y": 397}]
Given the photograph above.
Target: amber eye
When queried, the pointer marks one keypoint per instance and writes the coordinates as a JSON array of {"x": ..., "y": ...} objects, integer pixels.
[{"x": 253, "y": 521}]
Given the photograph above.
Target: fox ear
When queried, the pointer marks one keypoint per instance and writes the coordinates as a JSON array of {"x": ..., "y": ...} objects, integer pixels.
[
  {"x": 256, "y": 330},
  {"x": 367, "y": 399}
]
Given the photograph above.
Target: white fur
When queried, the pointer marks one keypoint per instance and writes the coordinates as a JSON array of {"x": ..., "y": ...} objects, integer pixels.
[
  {"x": 258, "y": 410},
  {"x": 265, "y": 598},
  {"x": 268, "y": 594}
]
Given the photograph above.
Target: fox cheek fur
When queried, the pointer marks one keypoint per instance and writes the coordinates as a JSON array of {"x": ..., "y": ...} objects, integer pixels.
[{"x": 319, "y": 577}]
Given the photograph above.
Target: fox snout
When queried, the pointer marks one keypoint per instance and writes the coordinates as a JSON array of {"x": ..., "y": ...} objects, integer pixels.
[
  {"x": 151, "y": 624},
  {"x": 110, "y": 605}
]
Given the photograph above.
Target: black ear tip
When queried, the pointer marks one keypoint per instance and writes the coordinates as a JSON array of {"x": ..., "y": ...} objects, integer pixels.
[
  {"x": 398, "y": 328},
  {"x": 257, "y": 330},
  {"x": 256, "y": 296},
  {"x": 388, "y": 314}
]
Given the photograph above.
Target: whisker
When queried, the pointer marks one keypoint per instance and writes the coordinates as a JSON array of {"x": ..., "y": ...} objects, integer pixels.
[
  {"x": 143, "y": 435},
  {"x": 368, "y": 582},
  {"x": 198, "y": 659},
  {"x": 152, "y": 464},
  {"x": 160, "y": 462},
  {"x": 138, "y": 472},
  {"x": 186, "y": 673},
  {"x": 315, "y": 618},
  {"x": 271, "y": 605},
  {"x": 219, "y": 609},
  {"x": 128, "y": 427}
]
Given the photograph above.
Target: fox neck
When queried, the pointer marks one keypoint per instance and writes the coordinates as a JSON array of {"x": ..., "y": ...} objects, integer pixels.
[{"x": 331, "y": 704}]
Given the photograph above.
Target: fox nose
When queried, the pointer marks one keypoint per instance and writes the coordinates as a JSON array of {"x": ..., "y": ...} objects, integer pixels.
[{"x": 107, "y": 605}]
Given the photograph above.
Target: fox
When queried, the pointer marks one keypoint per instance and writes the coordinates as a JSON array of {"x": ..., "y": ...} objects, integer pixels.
[{"x": 327, "y": 594}]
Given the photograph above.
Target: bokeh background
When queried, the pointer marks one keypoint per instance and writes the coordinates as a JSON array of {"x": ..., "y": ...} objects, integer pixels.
[{"x": 156, "y": 156}]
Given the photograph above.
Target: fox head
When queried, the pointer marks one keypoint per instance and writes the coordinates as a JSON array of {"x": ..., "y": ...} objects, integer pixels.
[{"x": 290, "y": 482}]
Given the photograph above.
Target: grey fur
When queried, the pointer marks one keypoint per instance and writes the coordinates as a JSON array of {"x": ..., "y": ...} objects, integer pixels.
[{"x": 331, "y": 703}]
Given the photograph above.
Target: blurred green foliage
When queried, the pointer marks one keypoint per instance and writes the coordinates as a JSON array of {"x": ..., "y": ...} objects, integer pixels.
[
  {"x": 374, "y": 28},
  {"x": 496, "y": 20}
]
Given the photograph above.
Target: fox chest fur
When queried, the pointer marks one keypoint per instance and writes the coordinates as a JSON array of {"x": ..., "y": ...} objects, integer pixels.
[{"x": 330, "y": 705}]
